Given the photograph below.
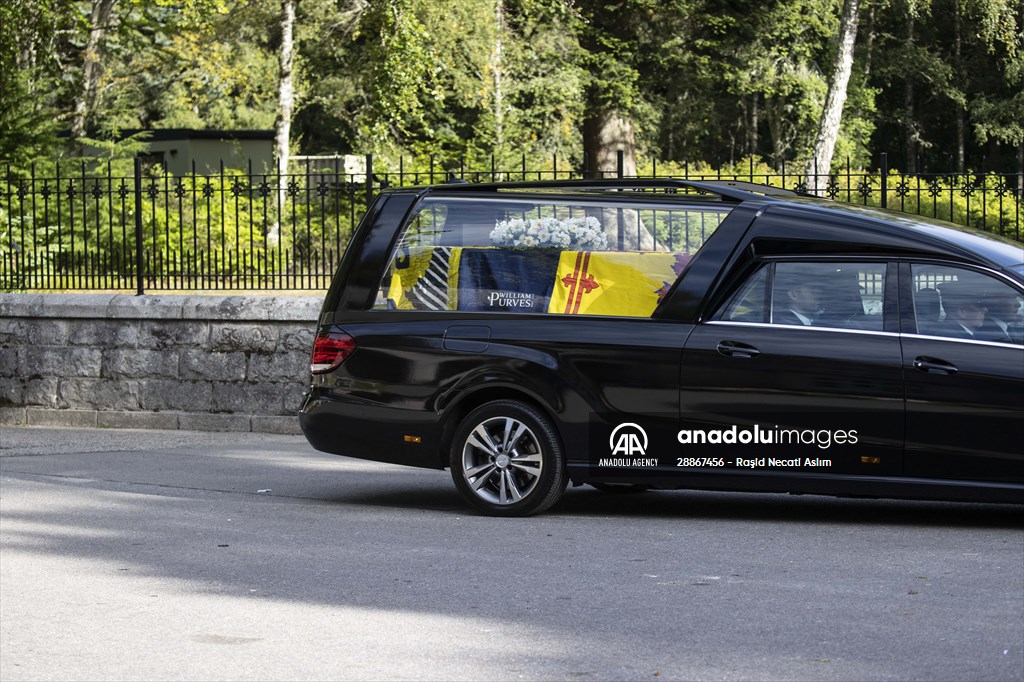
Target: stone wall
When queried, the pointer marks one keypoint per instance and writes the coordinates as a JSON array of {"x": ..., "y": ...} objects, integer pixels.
[{"x": 232, "y": 363}]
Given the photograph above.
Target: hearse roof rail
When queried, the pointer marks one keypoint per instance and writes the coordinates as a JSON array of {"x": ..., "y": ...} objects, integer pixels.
[{"x": 731, "y": 190}]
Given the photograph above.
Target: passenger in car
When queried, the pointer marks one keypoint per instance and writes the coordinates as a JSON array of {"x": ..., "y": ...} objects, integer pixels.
[
  {"x": 802, "y": 304},
  {"x": 965, "y": 311},
  {"x": 1003, "y": 321}
]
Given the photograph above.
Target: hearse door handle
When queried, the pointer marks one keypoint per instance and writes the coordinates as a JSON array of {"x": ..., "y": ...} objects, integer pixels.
[
  {"x": 735, "y": 349},
  {"x": 934, "y": 366}
]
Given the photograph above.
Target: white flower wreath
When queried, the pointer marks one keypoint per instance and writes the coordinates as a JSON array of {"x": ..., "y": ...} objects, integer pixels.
[{"x": 584, "y": 234}]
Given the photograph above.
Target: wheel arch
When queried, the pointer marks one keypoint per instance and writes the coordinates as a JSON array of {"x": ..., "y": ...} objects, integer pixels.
[{"x": 471, "y": 399}]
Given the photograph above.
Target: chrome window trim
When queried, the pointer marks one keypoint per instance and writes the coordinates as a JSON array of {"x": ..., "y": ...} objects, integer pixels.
[
  {"x": 769, "y": 325},
  {"x": 766, "y": 325},
  {"x": 984, "y": 269},
  {"x": 998, "y": 274},
  {"x": 975, "y": 342}
]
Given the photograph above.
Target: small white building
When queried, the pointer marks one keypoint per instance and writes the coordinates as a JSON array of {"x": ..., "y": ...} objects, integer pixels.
[{"x": 177, "y": 148}]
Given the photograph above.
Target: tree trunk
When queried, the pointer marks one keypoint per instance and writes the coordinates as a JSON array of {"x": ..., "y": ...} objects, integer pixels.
[
  {"x": 497, "y": 69},
  {"x": 831, "y": 116},
  {"x": 908, "y": 106},
  {"x": 869, "y": 42},
  {"x": 604, "y": 135},
  {"x": 92, "y": 68},
  {"x": 774, "y": 115},
  {"x": 285, "y": 106},
  {"x": 1020, "y": 172},
  {"x": 961, "y": 136},
  {"x": 755, "y": 120}
]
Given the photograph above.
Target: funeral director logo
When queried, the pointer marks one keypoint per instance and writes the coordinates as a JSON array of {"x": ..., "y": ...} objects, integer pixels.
[
  {"x": 628, "y": 448},
  {"x": 510, "y": 299}
]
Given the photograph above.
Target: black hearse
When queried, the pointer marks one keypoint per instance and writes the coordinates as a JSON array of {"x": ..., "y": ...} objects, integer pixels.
[{"x": 634, "y": 334}]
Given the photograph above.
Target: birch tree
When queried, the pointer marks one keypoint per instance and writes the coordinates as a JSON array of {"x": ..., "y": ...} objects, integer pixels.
[
  {"x": 285, "y": 107},
  {"x": 92, "y": 66},
  {"x": 831, "y": 116}
]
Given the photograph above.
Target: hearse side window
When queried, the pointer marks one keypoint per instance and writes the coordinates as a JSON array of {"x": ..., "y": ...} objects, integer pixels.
[
  {"x": 837, "y": 294},
  {"x": 840, "y": 295},
  {"x": 749, "y": 303},
  {"x": 566, "y": 257},
  {"x": 964, "y": 304}
]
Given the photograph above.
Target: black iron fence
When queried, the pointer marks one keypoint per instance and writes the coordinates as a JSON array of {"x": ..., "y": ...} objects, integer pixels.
[{"x": 123, "y": 226}]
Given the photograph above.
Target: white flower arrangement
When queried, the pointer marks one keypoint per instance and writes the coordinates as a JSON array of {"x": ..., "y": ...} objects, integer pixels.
[{"x": 584, "y": 234}]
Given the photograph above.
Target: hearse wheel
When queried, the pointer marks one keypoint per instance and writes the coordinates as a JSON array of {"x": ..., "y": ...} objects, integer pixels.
[{"x": 506, "y": 459}]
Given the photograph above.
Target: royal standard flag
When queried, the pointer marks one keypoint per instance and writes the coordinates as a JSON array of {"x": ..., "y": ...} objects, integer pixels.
[
  {"x": 611, "y": 283},
  {"x": 426, "y": 278},
  {"x": 506, "y": 280}
]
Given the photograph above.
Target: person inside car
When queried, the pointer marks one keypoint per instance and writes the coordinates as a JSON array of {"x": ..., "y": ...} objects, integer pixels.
[
  {"x": 1003, "y": 321},
  {"x": 802, "y": 304},
  {"x": 965, "y": 312}
]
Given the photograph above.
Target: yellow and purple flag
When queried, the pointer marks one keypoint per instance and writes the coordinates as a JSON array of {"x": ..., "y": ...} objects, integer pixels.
[{"x": 611, "y": 283}]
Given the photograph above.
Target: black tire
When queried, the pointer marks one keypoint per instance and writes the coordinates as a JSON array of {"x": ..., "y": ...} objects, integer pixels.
[
  {"x": 620, "y": 488},
  {"x": 506, "y": 459}
]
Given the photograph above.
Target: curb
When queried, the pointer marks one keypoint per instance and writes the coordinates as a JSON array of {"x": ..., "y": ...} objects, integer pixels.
[{"x": 110, "y": 419}]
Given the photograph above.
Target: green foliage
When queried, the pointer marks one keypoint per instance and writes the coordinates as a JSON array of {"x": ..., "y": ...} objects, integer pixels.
[
  {"x": 401, "y": 81},
  {"x": 56, "y": 220},
  {"x": 986, "y": 202},
  {"x": 947, "y": 61},
  {"x": 29, "y": 131},
  {"x": 998, "y": 112},
  {"x": 789, "y": 42},
  {"x": 82, "y": 218},
  {"x": 201, "y": 65},
  {"x": 858, "y": 123},
  {"x": 696, "y": 78},
  {"x": 463, "y": 77},
  {"x": 31, "y": 76},
  {"x": 1000, "y": 119},
  {"x": 983, "y": 202}
]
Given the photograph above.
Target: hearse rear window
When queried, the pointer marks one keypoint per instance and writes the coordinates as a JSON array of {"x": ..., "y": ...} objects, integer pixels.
[{"x": 562, "y": 257}]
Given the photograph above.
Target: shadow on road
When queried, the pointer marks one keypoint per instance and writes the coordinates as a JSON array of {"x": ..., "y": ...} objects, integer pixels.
[
  {"x": 586, "y": 502},
  {"x": 668, "y": 580}
]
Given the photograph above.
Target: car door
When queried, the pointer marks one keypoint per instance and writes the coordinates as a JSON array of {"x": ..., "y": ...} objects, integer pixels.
[
  {"x": 963, "y": 363},
  {"x": 805, "y": 349}
]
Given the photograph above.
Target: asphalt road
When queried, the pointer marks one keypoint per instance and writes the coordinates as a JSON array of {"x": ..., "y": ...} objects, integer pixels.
[{"x": 176, "y": 555}]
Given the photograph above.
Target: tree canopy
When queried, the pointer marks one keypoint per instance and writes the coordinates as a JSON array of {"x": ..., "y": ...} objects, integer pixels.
[{"x": 939, "y": 84}]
